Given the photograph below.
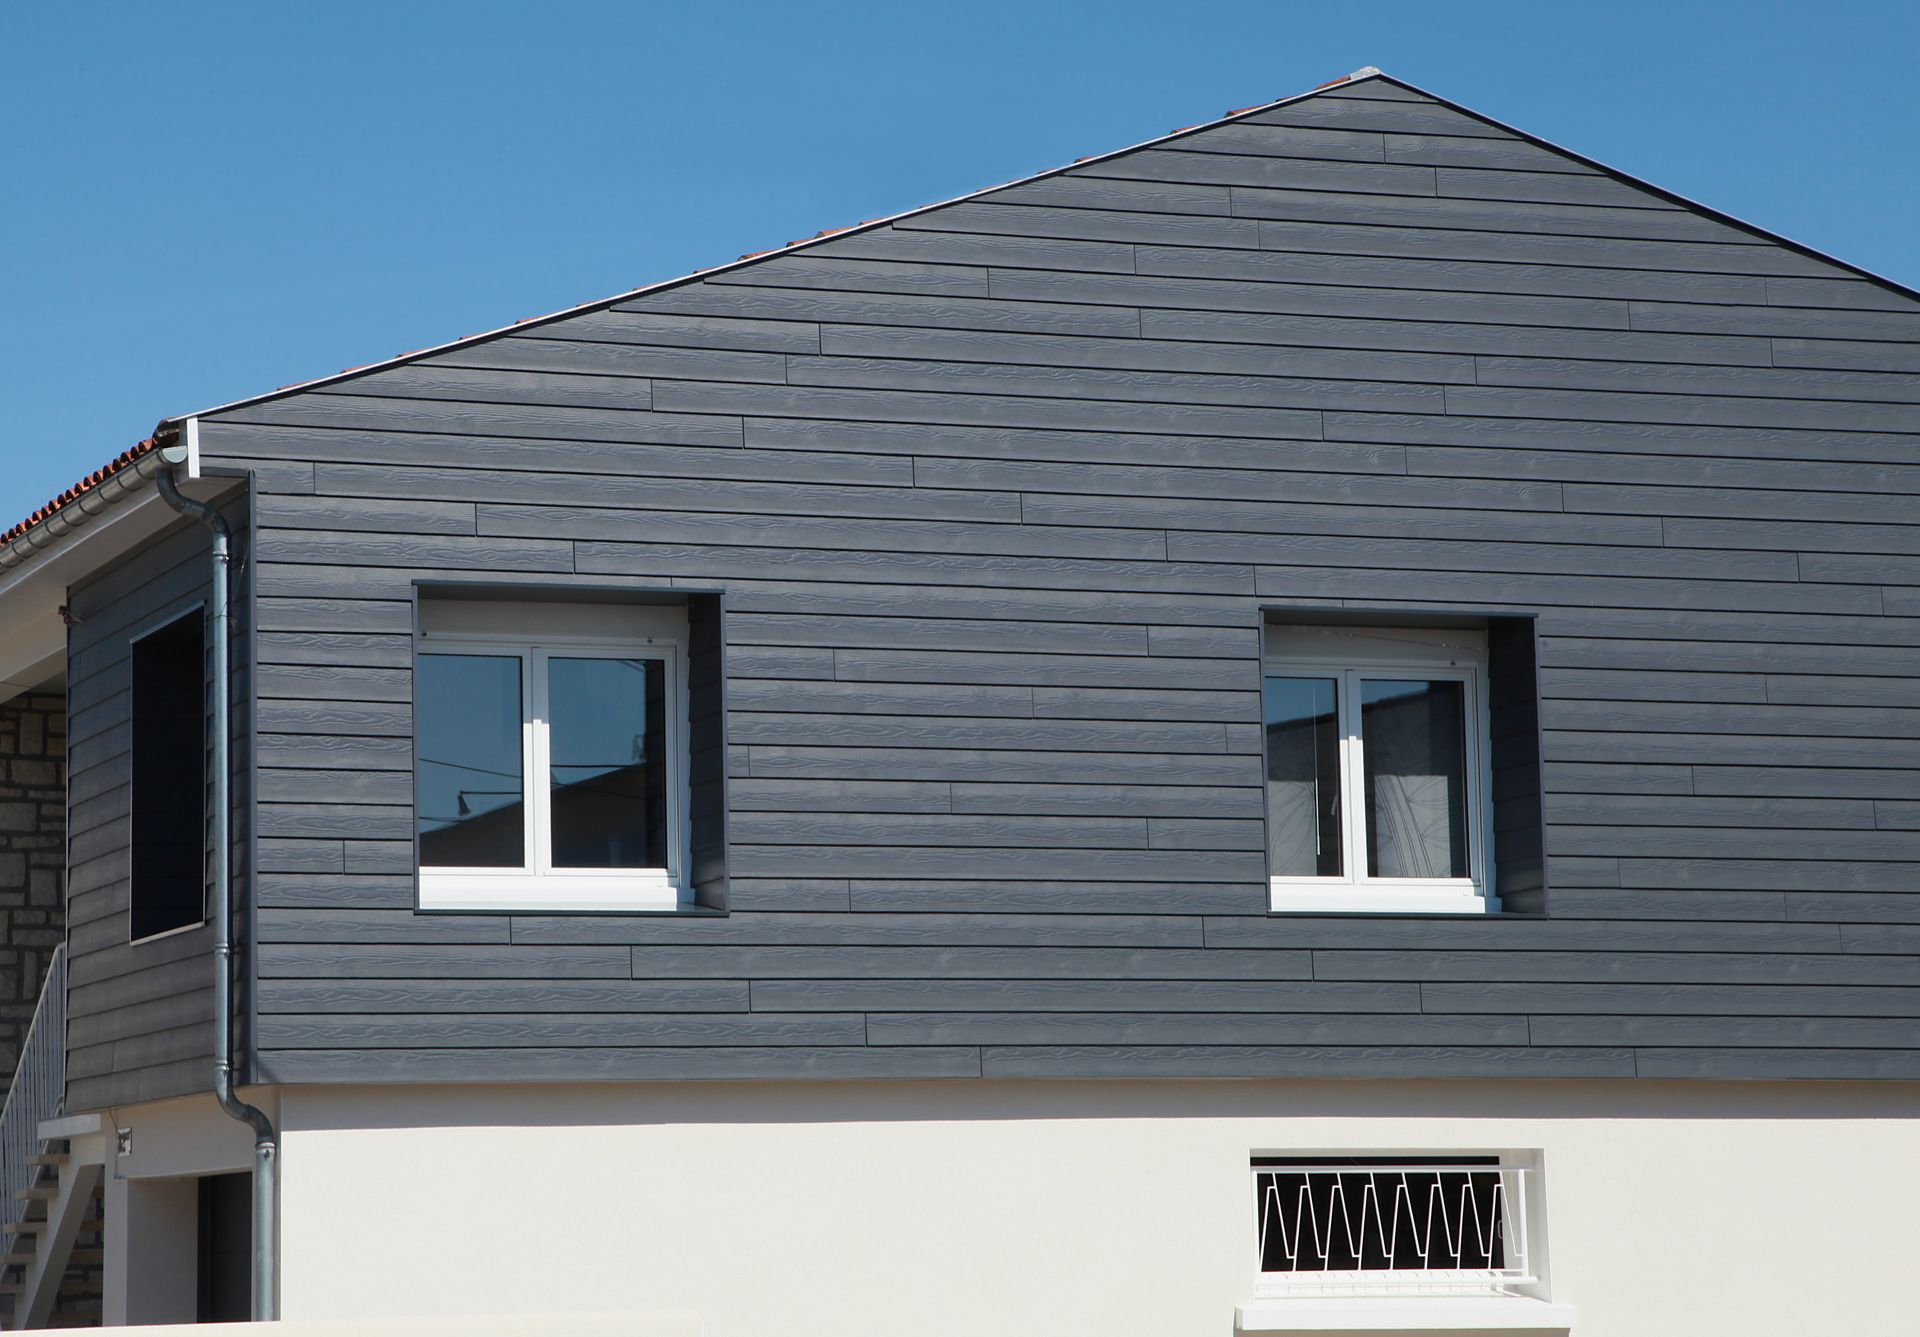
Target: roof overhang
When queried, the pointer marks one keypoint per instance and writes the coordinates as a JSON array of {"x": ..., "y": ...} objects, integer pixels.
[{"x": 106, "y": 522}]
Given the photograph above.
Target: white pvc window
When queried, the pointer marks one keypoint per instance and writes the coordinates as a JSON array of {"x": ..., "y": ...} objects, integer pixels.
[
  {"x": 550, "y": 757},
  {"x": 1377, "y": 753}
]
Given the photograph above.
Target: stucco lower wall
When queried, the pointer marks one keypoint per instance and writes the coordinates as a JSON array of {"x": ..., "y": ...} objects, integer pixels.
[{"x": 1101, "y": 1208}]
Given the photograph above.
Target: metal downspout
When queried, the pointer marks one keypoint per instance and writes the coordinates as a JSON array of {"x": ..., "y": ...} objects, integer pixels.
[{"x": 265, "y": 1143}]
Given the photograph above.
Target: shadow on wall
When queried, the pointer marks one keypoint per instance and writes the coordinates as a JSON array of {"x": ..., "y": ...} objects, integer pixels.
[{"x": 33, "y": 854}]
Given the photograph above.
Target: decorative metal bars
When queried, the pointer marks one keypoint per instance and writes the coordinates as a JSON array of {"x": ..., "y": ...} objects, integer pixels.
[
  {"x": 39, "y": 1088},
  {"x": 1391, "y": 1227}
]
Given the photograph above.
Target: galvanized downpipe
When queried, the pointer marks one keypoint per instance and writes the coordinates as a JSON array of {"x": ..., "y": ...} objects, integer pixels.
[{"x": 266, "y": 1145}]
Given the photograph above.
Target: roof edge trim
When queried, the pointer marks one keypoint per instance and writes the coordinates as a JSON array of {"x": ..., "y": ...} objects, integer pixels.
[
  {"x": 1361, "y": 75},
  {"x": 1672, "y": 196},
  {"x": 756, "y": 257}
]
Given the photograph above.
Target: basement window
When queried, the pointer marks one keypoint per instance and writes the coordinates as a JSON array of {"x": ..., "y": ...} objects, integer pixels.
[
  {"x": 551, "y": 756},
  {"x": 1360, "y": 1225},
  {"x": 1404, "y": 1242},
  {"x": 167, "y": 804}
]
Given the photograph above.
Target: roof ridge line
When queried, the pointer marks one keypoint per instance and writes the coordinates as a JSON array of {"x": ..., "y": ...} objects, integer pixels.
[{"x": 752, "y": 257}]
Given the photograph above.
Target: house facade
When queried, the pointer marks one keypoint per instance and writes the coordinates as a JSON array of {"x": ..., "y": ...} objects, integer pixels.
[{"x": 1309, "y": 726}]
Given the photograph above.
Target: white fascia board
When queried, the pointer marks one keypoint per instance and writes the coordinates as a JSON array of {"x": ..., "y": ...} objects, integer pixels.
[{"x": 1437, "y": 1313}]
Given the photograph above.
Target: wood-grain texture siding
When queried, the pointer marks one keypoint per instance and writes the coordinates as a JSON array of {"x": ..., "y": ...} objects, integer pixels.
[
  {"x": 995, "y": 493},
  {"x": 139, "y": 1014}
]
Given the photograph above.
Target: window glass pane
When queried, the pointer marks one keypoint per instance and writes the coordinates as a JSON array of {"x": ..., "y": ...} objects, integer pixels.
[
  {"x": 1414, "y": 736},
  {"x": 608, "y": 742},
  {"x": 1303, "y": 777},
  {"x": 471, "y": 804},
  {"x": 168, "y": 797}
]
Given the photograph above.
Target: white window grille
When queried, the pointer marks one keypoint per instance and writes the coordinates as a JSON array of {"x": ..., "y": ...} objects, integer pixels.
[{"x": 1439, "y": 1226}]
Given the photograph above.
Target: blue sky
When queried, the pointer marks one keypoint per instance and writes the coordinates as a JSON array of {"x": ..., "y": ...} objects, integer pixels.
[{"x": 208, "y": 200}]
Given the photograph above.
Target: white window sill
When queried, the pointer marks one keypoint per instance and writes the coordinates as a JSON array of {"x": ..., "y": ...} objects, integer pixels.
[
  {"x": 1417, "y": 1313},
  {"x": 1311, "y": 896},
  {"x": 524, "y": 893}
]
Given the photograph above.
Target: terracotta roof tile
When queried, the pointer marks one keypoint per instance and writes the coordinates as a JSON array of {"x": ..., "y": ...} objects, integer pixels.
[{"x": 79, "y": 489}]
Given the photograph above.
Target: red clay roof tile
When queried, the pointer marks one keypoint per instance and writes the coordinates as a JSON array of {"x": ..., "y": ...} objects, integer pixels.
[{"x": 79, "y": 489}]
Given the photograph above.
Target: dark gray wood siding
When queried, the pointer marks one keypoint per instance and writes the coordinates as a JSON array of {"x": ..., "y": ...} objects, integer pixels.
[
  {"x": 140, "y": 1017},
  {"x": 995, "y": 494}
]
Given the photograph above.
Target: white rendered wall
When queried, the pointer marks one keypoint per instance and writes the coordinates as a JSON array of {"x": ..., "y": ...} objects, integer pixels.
[
  {"x": 152, "y": 1206},
  {"x": 936, "y": 1209}
]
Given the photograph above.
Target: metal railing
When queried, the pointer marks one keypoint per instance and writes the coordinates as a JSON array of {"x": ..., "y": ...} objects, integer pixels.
[
  {"x": 39, "y": 1088},
  {"x": 1391, "y": 1229}
]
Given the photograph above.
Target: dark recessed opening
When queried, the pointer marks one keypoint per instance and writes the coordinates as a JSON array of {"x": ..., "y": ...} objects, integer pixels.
[
  {"x": 226, "y": 1249},
  {"x": 169, "y": 778}
]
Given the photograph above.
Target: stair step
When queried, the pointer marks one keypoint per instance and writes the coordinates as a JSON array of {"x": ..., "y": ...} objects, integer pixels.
[
  {"x": 47, "y": 1158},
  {"x": 87, "y": 1257},
  {"x": 38, "y": 1193}
]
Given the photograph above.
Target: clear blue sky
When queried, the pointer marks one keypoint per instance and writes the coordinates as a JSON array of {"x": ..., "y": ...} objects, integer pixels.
[{"x": 207, "y": 200}]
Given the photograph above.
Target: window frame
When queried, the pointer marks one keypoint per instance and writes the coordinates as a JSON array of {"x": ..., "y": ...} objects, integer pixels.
[
  {"x": 1351, "y": 656},
  {"x": 1526, "y": 1276},
  {"x": 570, "y": 633}
]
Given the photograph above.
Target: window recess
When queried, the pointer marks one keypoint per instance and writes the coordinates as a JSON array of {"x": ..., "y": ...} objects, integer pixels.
[
  {"x": 1378, "y": 768},
  {"x": 551, "y": 756},
  {"x": 1395, "y": 1226},
  {"x": 167, "y": 834}
]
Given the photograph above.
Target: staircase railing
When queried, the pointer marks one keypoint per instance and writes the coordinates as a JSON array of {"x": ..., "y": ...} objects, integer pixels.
[{"x": 38, "y": 1091}]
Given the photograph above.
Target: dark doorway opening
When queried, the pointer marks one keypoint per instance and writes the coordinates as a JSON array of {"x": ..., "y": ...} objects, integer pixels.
[{"x": 226, "y": 1249}]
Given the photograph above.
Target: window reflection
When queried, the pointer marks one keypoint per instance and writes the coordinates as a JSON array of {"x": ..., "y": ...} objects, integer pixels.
[
  {"x": 608, "y": 759},
  {"x": 470, "y": 804},
  {"x": 1303, "y": 776},
  {"x": 1414, "y": 736}
]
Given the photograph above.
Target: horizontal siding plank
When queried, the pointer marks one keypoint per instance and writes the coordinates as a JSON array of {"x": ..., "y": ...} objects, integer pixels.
[
  {"x": 1258, "y": 331},
  {"x": 1041, "y": 767},
  {"x": 1126, "y": 1062},
  {"x": 1017, "y": 996},
  {"x": 1104, "y": 1028},
  {"x": 800, "y": 1063},
  {"x": 996, "y": 494},
  {"x": 522, "y": 1030},
  {"x": 1202, "y": 292},
  {"x": 1457, "y": 277},
  {"x": 376, "y": 997},
  {"x": 1671, "y": 1001}
]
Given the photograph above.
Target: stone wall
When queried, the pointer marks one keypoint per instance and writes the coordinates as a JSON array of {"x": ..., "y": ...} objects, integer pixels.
[{"x": 33, "y": 857}]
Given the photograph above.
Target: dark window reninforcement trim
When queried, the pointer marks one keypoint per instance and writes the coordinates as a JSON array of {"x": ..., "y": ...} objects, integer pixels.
[
  {"x": 1517, "y": 876},
  {"x": 705, "y": 606}
]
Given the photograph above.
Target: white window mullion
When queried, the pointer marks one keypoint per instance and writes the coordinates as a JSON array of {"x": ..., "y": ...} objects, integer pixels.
[
  {"x": 539, "y": 787},
  {"x": 679, "y": 777},
  {"x": 1353, "y": 779}
]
